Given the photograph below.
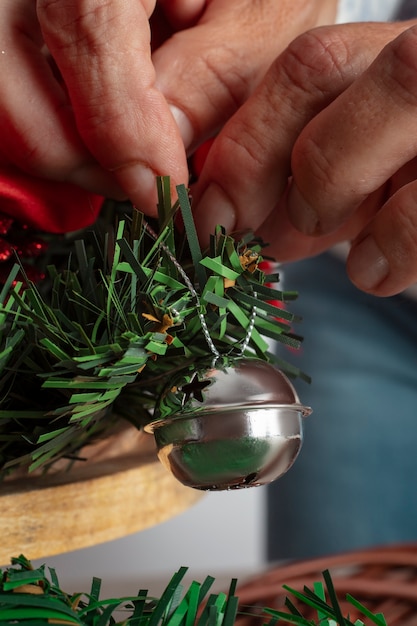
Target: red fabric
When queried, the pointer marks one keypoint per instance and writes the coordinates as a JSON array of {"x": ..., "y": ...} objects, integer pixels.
[
  {"x": 49, "y": 206},
  {"x": 199, "y": 157}
]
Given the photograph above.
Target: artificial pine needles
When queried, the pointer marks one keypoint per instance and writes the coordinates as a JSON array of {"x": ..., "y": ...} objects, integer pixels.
[
  {"x": 33, "y": 597},
  {"x": 97, "y": 340}
]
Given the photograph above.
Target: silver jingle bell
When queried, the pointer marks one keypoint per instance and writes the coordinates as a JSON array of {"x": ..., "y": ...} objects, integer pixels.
[{"x": 235, "y": 423}]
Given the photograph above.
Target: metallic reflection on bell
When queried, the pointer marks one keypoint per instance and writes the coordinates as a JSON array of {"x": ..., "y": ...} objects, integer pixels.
[{"x": 233, "y": 424}]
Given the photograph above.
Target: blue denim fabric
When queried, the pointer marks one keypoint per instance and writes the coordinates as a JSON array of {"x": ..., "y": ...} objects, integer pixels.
[
  {"x": 407, "y": 10},
  {"x": 354, "y": 483},
  {"x": 366, "y": 10}
]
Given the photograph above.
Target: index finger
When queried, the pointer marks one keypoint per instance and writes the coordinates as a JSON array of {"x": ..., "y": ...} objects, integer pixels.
[
  {"x": 102, "y": 50},
  {"x": 358, "y": 142}
]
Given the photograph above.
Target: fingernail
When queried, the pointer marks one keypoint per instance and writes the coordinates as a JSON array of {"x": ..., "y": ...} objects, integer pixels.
[
  {"x": 184, "y": 125},
  {"x": 139, "y": 182},
  {"x": 367, "y": 265},
  {"x": 212, "y": 209},
  {"x": 302, "y": 216}
]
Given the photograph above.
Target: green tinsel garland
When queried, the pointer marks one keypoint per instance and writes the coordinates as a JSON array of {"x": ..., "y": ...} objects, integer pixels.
[
  {"x": 33, "y": 597},
  {"x": 98, "y": 339}
]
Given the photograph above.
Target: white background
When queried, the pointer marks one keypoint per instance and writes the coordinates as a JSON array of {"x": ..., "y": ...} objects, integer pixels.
[{"x": 223, "y": 535}]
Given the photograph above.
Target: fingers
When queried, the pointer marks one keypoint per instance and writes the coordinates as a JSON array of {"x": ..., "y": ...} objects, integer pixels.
[
  {"x": 220, "y": 60},
  {"x": 38, "y": 134},
  {"x": 336, "y": 160},
  {"x": 383, "y": 259},
  {"x": 248, "y": 166},
  {"x": 285, "y": 243},
  {"x": 102, "y": 50},
  {"x": 383, "y": 256}
]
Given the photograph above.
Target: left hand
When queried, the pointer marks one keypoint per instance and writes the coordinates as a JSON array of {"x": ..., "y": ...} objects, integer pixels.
[{"x": 83, "y": 100}]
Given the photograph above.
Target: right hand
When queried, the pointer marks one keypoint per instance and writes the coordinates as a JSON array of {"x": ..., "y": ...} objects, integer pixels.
[{"x": 337, "y": 116}]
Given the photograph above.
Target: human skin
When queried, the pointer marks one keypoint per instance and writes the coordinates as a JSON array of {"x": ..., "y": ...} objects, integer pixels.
[
  {"x": 85, "y": 100},
  {"x": 325, "y": 151}
]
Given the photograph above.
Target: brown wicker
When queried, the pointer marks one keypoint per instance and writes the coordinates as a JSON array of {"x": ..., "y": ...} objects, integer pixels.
[{"x": 383, "y": 579}]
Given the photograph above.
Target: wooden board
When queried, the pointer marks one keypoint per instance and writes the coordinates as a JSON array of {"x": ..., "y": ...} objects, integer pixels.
[{"x": 122, "y": 489}]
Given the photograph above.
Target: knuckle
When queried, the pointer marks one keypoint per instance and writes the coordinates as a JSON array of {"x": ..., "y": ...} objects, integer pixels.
[
  {"x": 234, "y": 84},
  {"x": 403, "y": 219},
  {"x": 105, "y": 127},
  {"x": 218, "y": 93},
  {"x": 316, "y": 61},
  {"x": 319, "y": 172},
  {"x": 68, "y": 22},
  {"x": 54, "y": 14},
  {"x": 227, "y": 84},
  {"x": 245, "y": 144},
  {"x": 401, "y": 67}
]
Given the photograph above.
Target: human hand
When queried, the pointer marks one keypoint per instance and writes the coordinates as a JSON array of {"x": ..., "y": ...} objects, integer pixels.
[
  {"x": 219, "y": 55},
  {"x": 92, "y": 106},
  {"x": 337, "y": 113},
  {"x": 92, "y": 115}
]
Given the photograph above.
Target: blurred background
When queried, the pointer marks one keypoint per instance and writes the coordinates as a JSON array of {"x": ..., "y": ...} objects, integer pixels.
[{"x": 222, "y": 535}]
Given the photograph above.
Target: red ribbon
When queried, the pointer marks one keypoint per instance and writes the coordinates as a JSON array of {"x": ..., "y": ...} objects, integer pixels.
[{"x": 44, "y": 205}]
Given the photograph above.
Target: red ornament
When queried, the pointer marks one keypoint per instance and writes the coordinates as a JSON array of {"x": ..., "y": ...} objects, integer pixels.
[
  {"x": 31, "y": 248},
  {"x": 5, "y": 224},
  {"x": 30, "y": 206},
  {"x": 6, "y": 250},
  {"x": 48, "y": 206}
]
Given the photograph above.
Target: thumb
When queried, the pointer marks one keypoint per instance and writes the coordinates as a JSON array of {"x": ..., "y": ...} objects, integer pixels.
[{"x": 102, "y": 50}]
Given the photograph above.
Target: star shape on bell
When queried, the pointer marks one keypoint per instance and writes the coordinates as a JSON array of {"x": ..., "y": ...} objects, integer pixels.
[{"x": 194, "y": 389}]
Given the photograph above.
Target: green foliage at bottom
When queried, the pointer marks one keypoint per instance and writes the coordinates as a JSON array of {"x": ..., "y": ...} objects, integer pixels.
[{"x": 33, "y": 597}]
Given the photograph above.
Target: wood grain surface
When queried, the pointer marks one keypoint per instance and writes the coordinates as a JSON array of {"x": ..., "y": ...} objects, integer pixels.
[{"x": 121, "y": 489}]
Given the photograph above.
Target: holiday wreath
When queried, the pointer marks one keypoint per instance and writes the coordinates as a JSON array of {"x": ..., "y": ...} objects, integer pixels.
[{"x": 122, "y": 306}]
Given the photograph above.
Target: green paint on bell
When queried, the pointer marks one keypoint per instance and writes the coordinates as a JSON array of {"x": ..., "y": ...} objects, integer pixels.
[
  {"x": 230, "y": 424},
  {"x": 215, "y": 463}
]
